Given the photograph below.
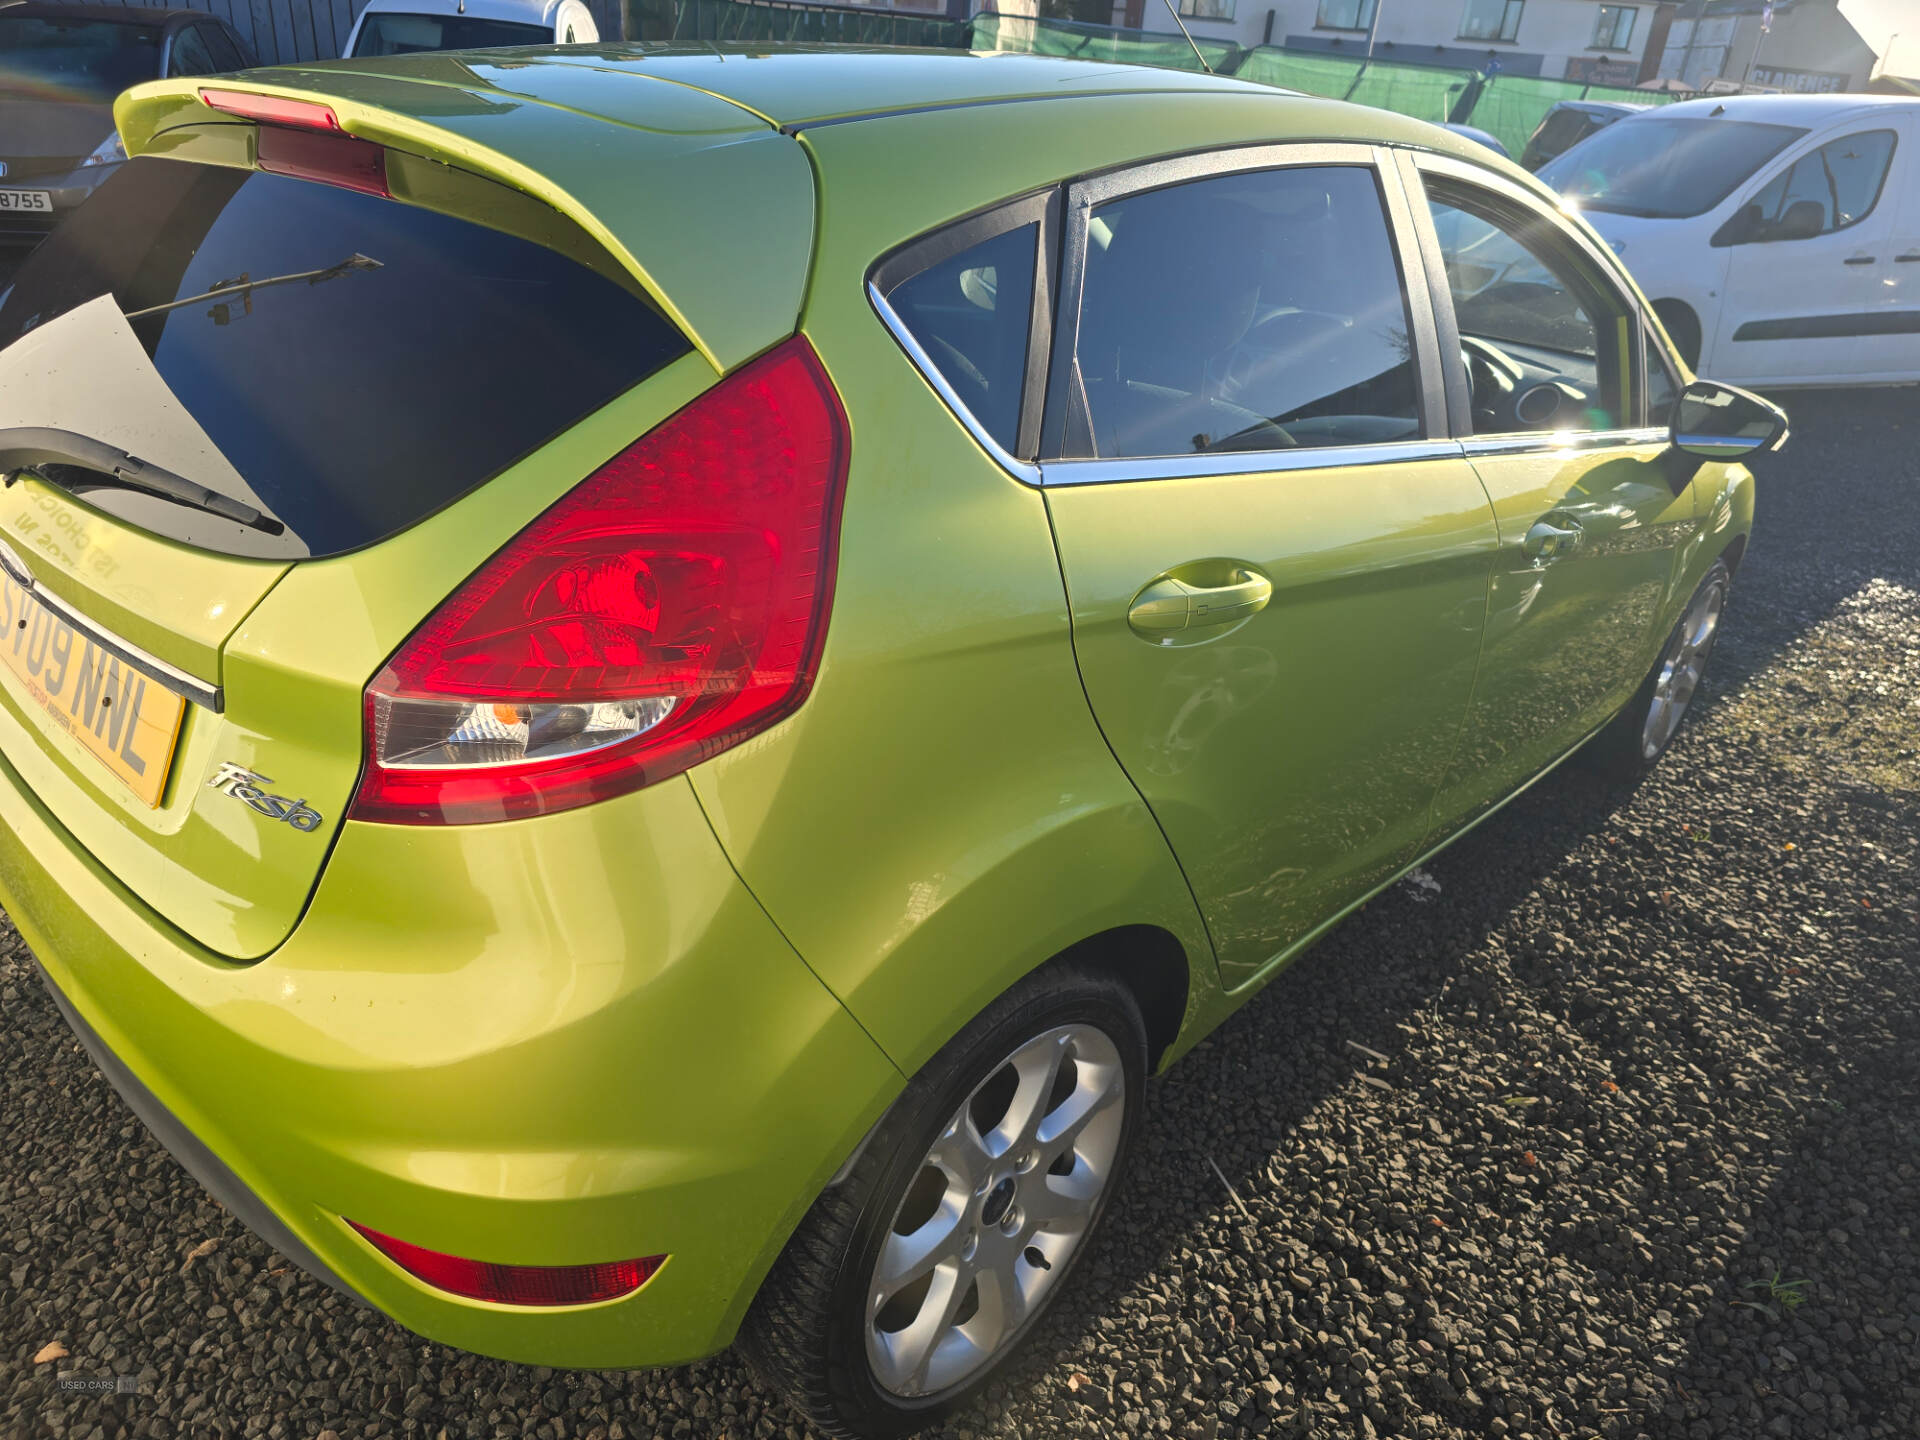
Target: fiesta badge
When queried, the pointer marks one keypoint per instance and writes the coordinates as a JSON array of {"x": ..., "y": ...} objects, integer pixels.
[{"x": 248, "y": 785}]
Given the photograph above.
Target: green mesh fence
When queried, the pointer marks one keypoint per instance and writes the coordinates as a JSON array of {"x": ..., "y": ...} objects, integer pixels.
[
  {"x": 1078, "y": 41},
  {"x": 1328, "y": 75},
  {"x": 1421, "y": 91},
  {"x": 758, "y": 20}
]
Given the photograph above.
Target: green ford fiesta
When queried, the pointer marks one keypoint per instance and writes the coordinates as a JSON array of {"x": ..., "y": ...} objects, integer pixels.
[{"x": 643, "y": 688}]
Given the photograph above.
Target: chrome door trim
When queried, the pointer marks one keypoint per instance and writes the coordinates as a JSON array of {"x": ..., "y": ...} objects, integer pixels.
[
  {"x": 1242, "y": 462},
  {"x": 1553, "y": 440},
  {"x": 188, "y": 687},
  {"x": 1020, "y": 469}
]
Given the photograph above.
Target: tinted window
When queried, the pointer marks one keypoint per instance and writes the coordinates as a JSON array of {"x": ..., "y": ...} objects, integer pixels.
[
  {"x": 971, "y": 315},
  {"x": 80, "y": 59},
  {"x": 353, "y": 399},
  {"x": 189, "y": 55},
  {"x": 1665, "y": 166},
  {"x": 1839, "y": 183},
  {"x": 395, "y": 34},
  {"x": 1546, "y": 341},
  {"x": 226, "y": 55},
  {"x": 1252, "y": 311}
]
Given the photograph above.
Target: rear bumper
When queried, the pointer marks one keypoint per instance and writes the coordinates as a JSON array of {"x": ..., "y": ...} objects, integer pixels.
[{"x": 551, "y": 1042}]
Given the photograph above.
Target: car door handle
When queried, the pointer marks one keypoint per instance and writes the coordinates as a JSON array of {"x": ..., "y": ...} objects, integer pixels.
[
  {"x": 1858, "y": 260},
  {"x": 1547, "y": 542},
  {"x": 1907, "y": 259},
  {"x": 1171, "y": 605}
]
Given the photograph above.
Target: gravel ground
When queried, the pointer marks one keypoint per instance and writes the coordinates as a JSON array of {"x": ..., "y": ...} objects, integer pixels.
[{"x": 1632, "y": 1147}]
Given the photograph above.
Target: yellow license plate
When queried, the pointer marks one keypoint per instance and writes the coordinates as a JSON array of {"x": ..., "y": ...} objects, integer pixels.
[{"x": 122, "y": 718}]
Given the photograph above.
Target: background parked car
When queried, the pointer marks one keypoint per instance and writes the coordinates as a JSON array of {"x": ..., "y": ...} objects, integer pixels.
[
  {"x": 60, "y": 67},
  {"x": 401, "y": 27},
  {"x": 1778, "y": 235},
  {"x": 1479, "y": 136},
  {"x": 1570, "y": 122}
]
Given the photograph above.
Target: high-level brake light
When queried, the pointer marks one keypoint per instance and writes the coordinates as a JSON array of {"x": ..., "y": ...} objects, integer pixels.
[{"x": 271, "y": 109}]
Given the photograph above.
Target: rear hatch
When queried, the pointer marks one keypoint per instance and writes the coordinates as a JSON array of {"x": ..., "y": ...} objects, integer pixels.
[{"x": 394, "y": 361}]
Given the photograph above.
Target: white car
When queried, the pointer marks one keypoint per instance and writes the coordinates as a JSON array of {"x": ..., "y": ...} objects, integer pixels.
[
  {"x": 1777, "y": 235},
  {"x": 401, "y": 27}
]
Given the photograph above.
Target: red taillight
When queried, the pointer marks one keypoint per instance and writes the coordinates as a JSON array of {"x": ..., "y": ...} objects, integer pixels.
[
  {"x": 271, "y": 109},
  {"x": 670, "y": 605},
  {"x": 516, "y": 1284}
]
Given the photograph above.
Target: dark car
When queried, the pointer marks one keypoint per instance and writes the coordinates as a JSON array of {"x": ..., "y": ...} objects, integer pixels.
[
  {"x": 1570, "y": 122},
  {"x": 60, "y": 67}
]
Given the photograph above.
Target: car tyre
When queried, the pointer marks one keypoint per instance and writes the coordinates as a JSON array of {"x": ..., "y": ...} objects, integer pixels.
[
  {"x": 1051, "y": 1077},
  {"x": 1635, "y": 739}
]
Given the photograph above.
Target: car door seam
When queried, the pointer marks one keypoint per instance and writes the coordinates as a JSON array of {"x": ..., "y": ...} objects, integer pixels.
[{"x": 1080, "y": 675}]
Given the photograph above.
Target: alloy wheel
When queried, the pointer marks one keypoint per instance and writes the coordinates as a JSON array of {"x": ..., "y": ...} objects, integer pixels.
[
  {"x": 1682, "y": 667},
  {"x": 999, "y": 1204}
]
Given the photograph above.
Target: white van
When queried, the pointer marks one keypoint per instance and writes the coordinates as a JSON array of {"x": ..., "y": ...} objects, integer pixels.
[
  {"x": 1777, "y": 235},
  {"x": 400, "y": 27}
]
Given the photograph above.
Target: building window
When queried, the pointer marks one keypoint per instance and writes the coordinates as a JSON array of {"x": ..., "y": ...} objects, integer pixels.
[
  {"x": 1614, "y": 29},
  {"x": 1207, "y": 9},
  {"x": 1491, "y": 19},
  {"x": 1345, "y": 14}
]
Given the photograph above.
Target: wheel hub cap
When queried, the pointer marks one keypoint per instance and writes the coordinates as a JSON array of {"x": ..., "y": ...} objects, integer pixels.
[{"x": 1002, "y": 1200}]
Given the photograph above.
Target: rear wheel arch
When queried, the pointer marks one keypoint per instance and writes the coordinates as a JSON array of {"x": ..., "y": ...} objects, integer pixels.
[{"x": 1152, "y": 963}]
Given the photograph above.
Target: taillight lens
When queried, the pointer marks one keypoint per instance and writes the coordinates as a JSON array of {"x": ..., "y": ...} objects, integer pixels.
[
  {"x": 672, "y": 604},
  {"x": 516, "y": 1284}
]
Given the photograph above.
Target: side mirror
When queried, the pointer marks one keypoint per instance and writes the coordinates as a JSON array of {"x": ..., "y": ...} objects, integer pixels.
[{"x": 1712, "y": 421}]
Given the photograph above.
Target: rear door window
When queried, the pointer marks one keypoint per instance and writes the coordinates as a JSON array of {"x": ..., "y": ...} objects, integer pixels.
[
  {"x": 1260, "y": 310},
  {"x": 358, "y": 361}
]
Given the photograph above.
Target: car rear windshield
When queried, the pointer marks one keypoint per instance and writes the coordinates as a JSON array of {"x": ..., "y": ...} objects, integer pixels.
[
  {"x": 365, "y": 361},
  {"x": 1665, "y": 167},
  {"x": 92, "y": 60},
  {"x": 391, "y": 33}
]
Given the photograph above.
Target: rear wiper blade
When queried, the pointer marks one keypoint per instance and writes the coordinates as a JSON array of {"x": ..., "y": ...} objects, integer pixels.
[
  {"x": 34, "y": 449},
  {"x": 245, "y": 287}
]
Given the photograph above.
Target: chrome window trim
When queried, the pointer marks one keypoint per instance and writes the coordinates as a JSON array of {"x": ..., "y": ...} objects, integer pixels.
[
  {"x": 1242, "y": 462},
  {"x": 1021, "y": 470},
  {"x": 1552, "y": 440},
  {"x": 188, "y": 687}
]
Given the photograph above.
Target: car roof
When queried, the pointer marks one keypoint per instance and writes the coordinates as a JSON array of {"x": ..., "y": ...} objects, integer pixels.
[
  {"x": 1809, "y": 110},
  {"x": 528, "y": 12},
  {"x": 113, "y": 14}
]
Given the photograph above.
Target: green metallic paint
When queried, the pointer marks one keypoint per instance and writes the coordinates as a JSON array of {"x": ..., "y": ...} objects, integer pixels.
[
  {"x": 532, "y": 1066},
  {"x": 1292, "y": 758},
  {"x": 1567, "y": 640}
]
